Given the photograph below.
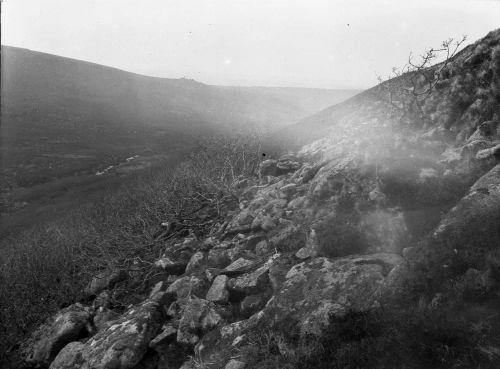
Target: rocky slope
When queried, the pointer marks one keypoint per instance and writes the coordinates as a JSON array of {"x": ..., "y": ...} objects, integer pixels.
[{"x": 382, "y": 208}]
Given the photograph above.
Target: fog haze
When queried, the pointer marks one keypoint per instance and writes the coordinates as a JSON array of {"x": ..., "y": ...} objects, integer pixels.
[{"x": 321, "y": 43}]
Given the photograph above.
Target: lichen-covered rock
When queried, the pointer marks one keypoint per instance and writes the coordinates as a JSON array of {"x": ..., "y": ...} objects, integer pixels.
[
  {"x": 263, "y": 248},
  {"x": 268, "y": 168},
  {"x": 161, "y": 342},
  {"x": 239, "y": 266},
  {"x": 218, "y": 291},
  {"x": 198, "y": 316},
  {"x": 490, "y": 152},
  {"x": 219, "y": 344},
  {"x": 253, "y": 303},
  {"x": 465, "y": 236},
  {"x": 287, "y": 163},
  {"x": 189, "y": 286},
  {"x": 104, "y": 280},
  {"x": 313, "y": 290},
  {"x": 287, "y": 191},
  {"x": 219, "y": 258},
  {"x": 291, "y": 238},
  {"x": 120, "y": 346},
  {"x": 69, "y": 324},
  {"x": 104, "y": 317},
  {"x": 250, "y": 283},
  {"x": 198, "y": 262},
  {"x": 171, "y": 267},
  {"x": 235, "y": 364}
]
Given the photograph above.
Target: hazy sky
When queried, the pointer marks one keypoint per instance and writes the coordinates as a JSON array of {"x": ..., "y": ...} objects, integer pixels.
[{"x": 314, "y": 43}]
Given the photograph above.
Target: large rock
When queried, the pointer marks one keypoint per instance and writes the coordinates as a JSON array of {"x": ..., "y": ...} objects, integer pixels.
[
  {"x": 171, "y": 267},
  {"x": 162, "y": 341},
  {"x": 315, "y": 289},
  {"x": 198, "y": 262},
  {"x": 198, "y": 316},
  {"x": 218, "y": 291},
  {"x": 251, "y": 283},
  {"x": 104, "y": 280},
  {"x": 67, "y": 325},
  {"x": 219, "y": 344},
  {"x": 123, "y": 344},
  {"x": 465, "y": 236},
  {"x": 189, "y": 286},
  {"x": 291, "y": 238},
  {"x": 104, "y": 317}
]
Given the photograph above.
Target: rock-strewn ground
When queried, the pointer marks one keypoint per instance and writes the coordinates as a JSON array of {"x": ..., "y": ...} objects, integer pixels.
[{"x": 342, "y": 225}]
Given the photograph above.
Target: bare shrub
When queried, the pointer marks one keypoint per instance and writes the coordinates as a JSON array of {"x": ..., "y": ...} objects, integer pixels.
[
  {"x": 407, "y": 88},
  {"x": 47, "y": 266}
]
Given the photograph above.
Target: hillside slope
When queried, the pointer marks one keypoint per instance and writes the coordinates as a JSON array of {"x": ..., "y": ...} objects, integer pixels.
[
  {"x": 375, "y": 246},
  {"x": 63, "y": 120},
  {"x": 59, "y": 106}
]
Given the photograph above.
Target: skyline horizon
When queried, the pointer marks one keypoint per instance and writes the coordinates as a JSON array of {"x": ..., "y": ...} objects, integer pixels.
[
  {"x": 340, "y": 44},
  {"x": 192, "y": 79}
]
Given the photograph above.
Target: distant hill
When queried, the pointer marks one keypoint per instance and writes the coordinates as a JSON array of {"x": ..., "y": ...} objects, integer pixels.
[
  {"x": 55, "y": 107},
  {"x": 64, "y": 120}
]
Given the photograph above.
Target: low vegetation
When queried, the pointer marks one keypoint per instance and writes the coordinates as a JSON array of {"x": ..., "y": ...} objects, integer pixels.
[{"x": 46, "y": 266}]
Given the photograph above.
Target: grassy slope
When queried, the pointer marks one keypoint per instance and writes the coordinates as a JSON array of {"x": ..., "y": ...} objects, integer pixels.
[{"x": 64, "y": 119}]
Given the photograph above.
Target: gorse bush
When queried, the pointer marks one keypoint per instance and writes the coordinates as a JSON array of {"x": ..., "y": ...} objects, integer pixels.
[{"x": 47, "y": 265}]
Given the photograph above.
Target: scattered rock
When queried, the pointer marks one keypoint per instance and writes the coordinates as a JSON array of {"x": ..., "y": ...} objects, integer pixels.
[
  {"x": 253, "y": 303},
  {"x": 313, "y": 290},
  {"x": 288, "y": 190},
  {"x": 235, "y": 364},
  {"x": 250, "y": 283},
  {"x": 161, "y": 342},
  {"x": 263, "y": 248},
  {"x": 490, "y": 152},
  {"x": 171, "y": 267},
  {"x": 238, "y": 266},
  {"x": 104, "y": 280},
  {"x": 122, "y": 345},
  {"x": 198, "y": 316},
  {"x": 268, "y": 168},
  {"x": 197, "y": 263},
  {"x": 104, "y": 317},
  {"x": 189, "y": 286},
  {"x": 218, "y": 291},
  {"x": 219, "y": 258},
  {"x": 69, "y": 324},
  {"x": 290, "y": 238}
]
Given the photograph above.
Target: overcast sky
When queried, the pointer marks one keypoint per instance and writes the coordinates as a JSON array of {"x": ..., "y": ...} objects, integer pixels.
[{"x": 313, "y": 43}]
